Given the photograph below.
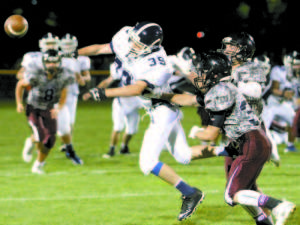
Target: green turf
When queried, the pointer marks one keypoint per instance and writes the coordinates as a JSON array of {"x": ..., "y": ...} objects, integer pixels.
[{"x": 114, "y": 191}]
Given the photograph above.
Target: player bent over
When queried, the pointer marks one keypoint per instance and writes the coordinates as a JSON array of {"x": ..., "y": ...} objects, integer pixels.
[
  {"x": 145, "y": 68},
  {"x": 46, "y": 81},
  {"x": 229, "y": 112}
]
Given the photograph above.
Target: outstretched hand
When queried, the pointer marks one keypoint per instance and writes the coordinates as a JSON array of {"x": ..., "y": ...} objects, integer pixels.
[{"x": 98, "y": 94}]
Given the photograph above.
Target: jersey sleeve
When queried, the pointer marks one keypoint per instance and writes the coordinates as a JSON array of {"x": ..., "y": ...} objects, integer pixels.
[
  {"x": 31, "y": 75},
  {"x": 85, "y": 63},
  {"x": 119, "y": 40},
  {"x": 219, "y": 98},
  {"x": 114, "y": 73},
  {"x": 275, "y": 74},
  {"x": 30, "y": 57},
  {"x": 71, "y": 64}
]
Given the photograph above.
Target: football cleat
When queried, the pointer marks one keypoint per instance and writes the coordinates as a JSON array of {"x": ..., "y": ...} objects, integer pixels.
[
  {"x": 291, "y": 148},
  {"x": 124, "y": 150},
  {"x": 283, "y": 211},
  {"x": 190, "y": 203},
  {"x": 37, "y": 167},
  {"x": 110, "y": 153},
  {"x": 27, "y": 150},
  {"x": 70, "y": 154},
  {"x": 75, "y": 158}
]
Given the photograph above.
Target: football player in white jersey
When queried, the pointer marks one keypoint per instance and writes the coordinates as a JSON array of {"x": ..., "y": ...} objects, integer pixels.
[
  {"x": 145, "y": 70},
  {"x": 47, "y": 80},
  {"x": 66, "y": 117},
  {"x": 230, "y": 113},
  {"x": 125, "y": 113},
  {"x": 50, "y": 41},
  {"x": 280, "y": 102}
]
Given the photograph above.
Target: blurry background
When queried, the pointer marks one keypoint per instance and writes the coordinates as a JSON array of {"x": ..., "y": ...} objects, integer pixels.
[{"x": 272, "y": 23}]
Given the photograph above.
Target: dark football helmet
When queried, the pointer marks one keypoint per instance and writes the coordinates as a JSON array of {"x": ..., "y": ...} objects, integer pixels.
[
  {"x": 51, "y": 61},
  {"x": 211, "y": 69},
  {"x": 144, "y": 38},
  {"x": 238, "y": 46}
]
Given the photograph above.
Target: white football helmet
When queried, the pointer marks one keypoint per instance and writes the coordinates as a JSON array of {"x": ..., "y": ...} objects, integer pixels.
[
  {"x": 291, "y": 62},
  {"x": 68, "y": 44},
  {"x": 185, "y": 60},
  {"x": 264, "y": 62},
  {"x": 49, "y": 41}
]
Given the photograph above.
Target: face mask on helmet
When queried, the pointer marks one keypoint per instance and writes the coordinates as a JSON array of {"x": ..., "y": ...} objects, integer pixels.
[
  {"x": 144, "y": 38},
  {"x": 49, "y": 41},
  {"x": 51, "y": 61},
  {"x": 211, "y": 68},
  {"x": 68, "y": 44},
  {"x": 239, "y": 47},
  {"x": 264, "y": 62},
  {"x": 292, "y": 63}
]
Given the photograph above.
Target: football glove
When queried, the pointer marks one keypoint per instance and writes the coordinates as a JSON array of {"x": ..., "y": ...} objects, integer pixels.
[{"x": 98, "y": 94}]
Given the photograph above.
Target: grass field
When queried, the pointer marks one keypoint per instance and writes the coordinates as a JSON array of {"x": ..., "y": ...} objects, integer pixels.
[{"x": 114, "y": 191}]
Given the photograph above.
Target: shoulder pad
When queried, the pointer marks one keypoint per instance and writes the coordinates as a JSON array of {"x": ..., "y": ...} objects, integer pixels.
[
  {"x": 84, "y": 62},
  {"x": 250, "y": 71},
  {"x": 32, "y": 58},
  {"x": 220, "y": 97},
  {"x": 70, "y": 64}
]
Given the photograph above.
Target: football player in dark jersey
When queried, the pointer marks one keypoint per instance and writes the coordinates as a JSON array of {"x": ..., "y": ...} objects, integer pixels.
[{"x": 231, "y": 114}]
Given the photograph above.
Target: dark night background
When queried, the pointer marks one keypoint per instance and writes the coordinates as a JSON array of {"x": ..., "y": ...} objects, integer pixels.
[{"x": 273, "y": 24}]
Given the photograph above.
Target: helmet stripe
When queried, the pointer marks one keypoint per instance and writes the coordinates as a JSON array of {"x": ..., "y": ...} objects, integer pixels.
[{"x": 146, "y": 26}]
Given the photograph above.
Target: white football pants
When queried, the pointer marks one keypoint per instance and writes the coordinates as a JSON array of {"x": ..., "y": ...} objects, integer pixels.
[
  {"x": 165, "y": 129},
  {"x": 274, "y": 109},
  {"x": 121, "y": 120}
]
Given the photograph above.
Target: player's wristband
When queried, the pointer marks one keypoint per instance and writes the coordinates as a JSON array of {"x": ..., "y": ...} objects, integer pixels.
[
  {"x": 200, "y": 100},
  {"x": 98, "y": 94}
]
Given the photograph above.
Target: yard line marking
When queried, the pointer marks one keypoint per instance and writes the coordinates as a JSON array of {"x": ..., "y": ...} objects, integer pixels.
[{"x": 71, "y": 198}]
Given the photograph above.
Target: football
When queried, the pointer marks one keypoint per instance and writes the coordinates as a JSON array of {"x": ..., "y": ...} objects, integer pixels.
[{"x": 16, "y": 26}]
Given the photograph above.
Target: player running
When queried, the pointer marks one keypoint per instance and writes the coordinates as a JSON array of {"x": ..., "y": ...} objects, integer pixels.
[
  {"x": 230, "y": 113},
  {"x": 48, "y": 42},
  {"x": 47, "y": 82},
  {"x": 67, "y": 116},
  {"x": 145, "y": 69}
]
